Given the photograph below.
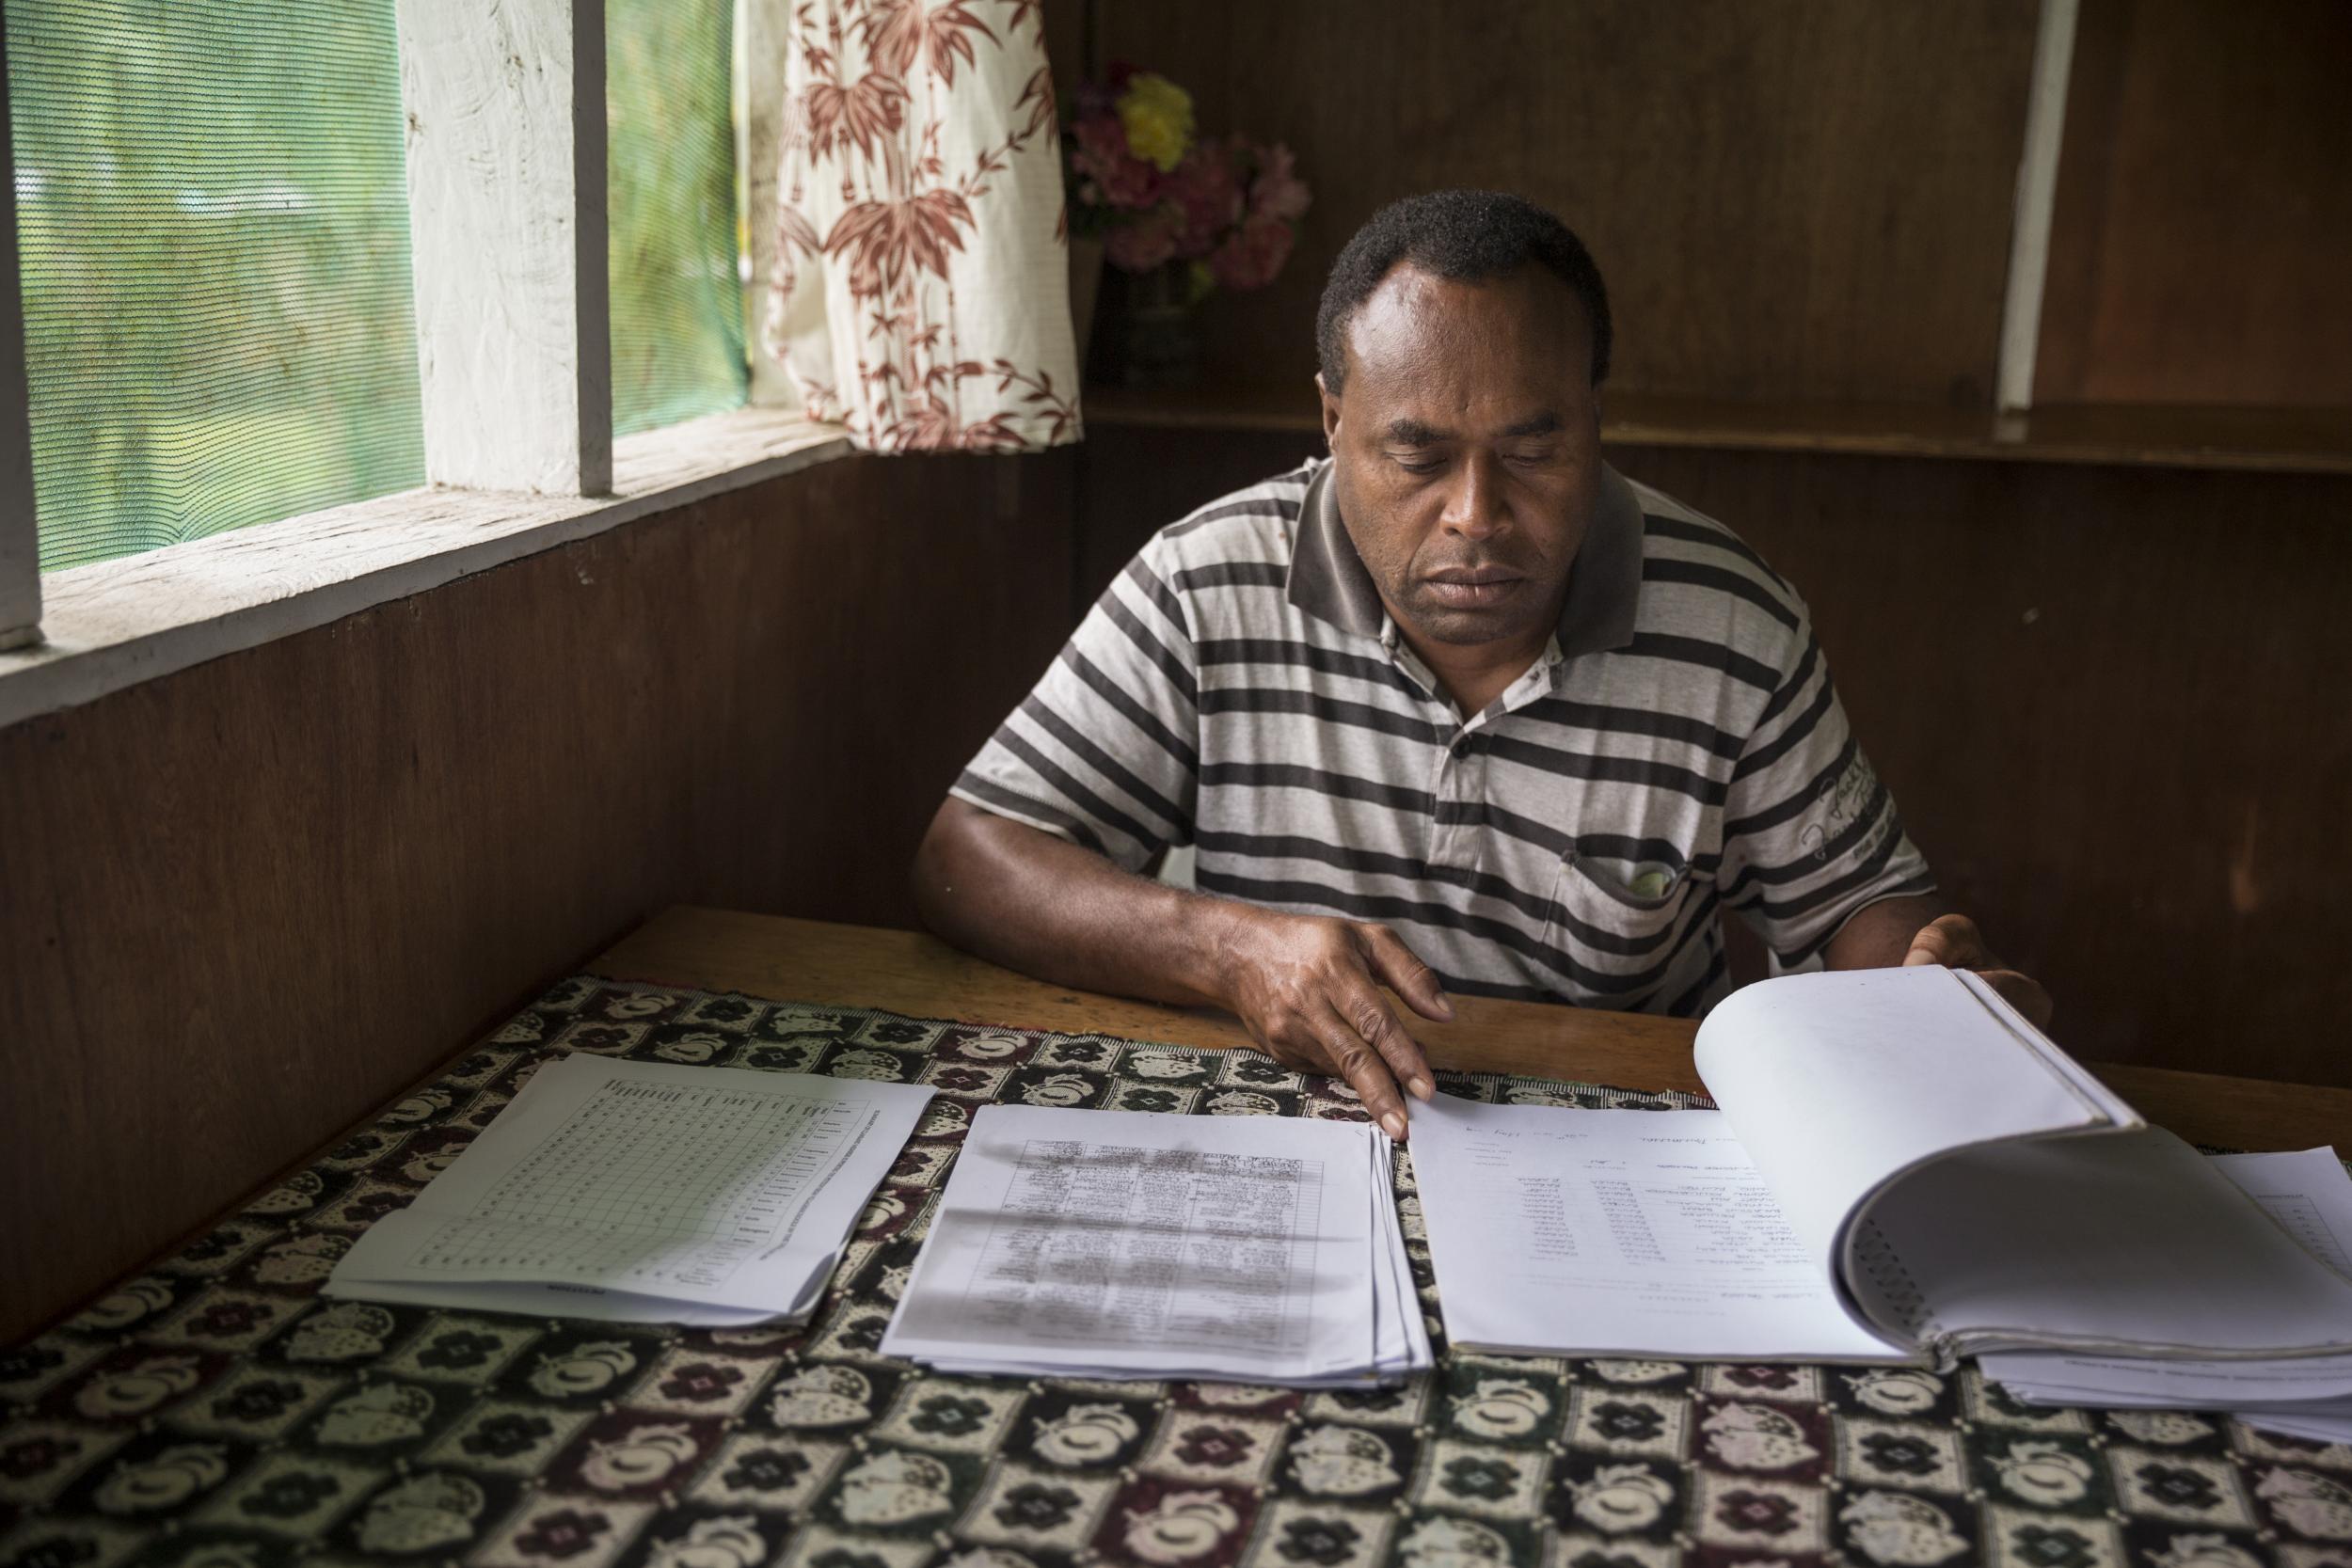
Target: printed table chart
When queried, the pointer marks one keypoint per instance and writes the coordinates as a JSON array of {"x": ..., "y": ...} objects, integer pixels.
[
  {"x": 1159, "y": 1222},
  {"x": 613, "y": 1165},
  {"x": 215, "y": 1413}
]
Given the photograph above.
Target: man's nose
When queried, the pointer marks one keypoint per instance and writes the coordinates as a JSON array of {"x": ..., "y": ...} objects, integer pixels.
[{"x": 1473, "y": 506}]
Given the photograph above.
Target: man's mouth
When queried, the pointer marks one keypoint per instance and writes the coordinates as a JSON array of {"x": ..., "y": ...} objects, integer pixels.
[{"x": 1472, "y": 587}]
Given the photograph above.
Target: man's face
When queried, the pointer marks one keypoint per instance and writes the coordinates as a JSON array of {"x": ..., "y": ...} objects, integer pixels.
[{"x": 1466, "y": 449}]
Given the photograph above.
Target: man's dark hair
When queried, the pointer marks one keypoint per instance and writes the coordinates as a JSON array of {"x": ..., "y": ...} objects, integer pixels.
[{"x": 1465, "y": 237}]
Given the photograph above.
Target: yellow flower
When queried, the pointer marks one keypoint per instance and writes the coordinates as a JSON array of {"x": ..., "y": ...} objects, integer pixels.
[{"x": 1156, "y": 115}]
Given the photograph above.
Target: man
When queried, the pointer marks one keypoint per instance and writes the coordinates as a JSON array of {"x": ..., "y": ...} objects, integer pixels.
[{"x": 1458, "y": 706}]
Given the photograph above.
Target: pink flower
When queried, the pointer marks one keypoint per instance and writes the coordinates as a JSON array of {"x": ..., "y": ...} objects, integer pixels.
[
  {"x": 1279, "y": 193},
  {"x": 1251, "y": 256},
  {"x": 1121, "y": 179},
  {"x": 1143, "y": 244},
  {"x": 1207, "y": 195}
]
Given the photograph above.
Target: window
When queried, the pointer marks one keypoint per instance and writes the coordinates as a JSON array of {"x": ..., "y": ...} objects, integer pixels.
[
  {"x": 676, "y": 238},
  {"x": 213, "y": 232},
  {"x": 214, "y": 244}
]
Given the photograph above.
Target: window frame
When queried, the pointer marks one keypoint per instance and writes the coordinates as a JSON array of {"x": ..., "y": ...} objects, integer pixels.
[{"x": 519, "y": 452}]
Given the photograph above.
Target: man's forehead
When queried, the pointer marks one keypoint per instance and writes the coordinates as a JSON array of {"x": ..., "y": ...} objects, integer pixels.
[{"x": 1435, "y": 342}]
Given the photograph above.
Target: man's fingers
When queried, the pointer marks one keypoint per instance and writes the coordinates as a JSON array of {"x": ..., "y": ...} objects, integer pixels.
[
  {"x": 1365, "y": 1073},
  {"x": 2023, "y": 992},
  {"x": 1366, "y": 1011},
  {"x": 1397, "y": 967},
  {"x": 1950, "y": 940}
]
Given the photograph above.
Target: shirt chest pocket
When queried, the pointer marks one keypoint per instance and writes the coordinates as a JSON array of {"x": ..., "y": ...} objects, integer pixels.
[{"x": 1618, "y": 926}]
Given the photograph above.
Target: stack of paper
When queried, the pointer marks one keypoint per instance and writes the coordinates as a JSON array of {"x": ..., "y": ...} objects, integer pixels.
[
  {"x": 1130, "y": 1244},
  {"x": 644, "y": 1192},
  {"x": 2311, "y": 1197}
]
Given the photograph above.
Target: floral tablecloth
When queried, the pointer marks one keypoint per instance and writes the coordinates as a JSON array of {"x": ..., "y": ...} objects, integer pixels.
[{"x": 215, "y": 1413}]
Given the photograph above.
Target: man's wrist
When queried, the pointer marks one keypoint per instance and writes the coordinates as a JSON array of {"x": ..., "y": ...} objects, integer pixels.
[{"x": 1211, "y": 935}]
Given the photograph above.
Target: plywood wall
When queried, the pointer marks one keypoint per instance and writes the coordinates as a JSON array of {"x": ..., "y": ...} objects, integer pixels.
[
  {"x": 1790, "y": 198},
  {"x": 2202, "y": 250},
  {"x": 246, "y": 902}
]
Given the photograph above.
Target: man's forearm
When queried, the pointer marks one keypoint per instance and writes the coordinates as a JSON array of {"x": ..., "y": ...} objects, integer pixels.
[
  {"x": 1918, "y": 930},
  {"x": 1877, "y": 936},
  {"x": 1049, "y": 907}
]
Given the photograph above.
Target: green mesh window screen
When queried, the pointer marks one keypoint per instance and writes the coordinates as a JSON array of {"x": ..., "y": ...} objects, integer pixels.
[
  {"x": 213, "y": 227},
  {"x": 678, "y": 295}
]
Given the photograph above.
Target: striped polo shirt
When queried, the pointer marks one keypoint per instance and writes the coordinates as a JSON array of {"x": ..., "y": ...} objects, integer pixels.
[{"x": 1677, "y": 747}]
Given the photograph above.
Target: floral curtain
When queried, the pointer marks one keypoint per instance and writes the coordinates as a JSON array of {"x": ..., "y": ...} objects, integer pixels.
[{"x": 920, "y": 287}]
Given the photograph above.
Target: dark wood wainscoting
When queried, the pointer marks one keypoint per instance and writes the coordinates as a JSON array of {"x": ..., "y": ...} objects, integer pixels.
[{"x": 246, "y": 902}]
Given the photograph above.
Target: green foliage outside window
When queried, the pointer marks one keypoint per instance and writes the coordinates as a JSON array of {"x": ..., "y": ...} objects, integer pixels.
[
  {"x": 213, "y": 230},
  {"x": 678, "y": 297},
  {"x": 212, "y": 233}
]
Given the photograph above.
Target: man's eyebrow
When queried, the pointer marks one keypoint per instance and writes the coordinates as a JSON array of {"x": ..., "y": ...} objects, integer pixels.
[
  {"x": 1538, "y": 424},
  {"x": 1412, "y": 432}
]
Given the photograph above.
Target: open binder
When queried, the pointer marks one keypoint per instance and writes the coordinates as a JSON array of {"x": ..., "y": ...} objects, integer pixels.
[{"x": 1929, "y": 1176}]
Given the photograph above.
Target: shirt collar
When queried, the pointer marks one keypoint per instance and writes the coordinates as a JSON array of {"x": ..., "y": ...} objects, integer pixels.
[{"x": 1329, "y": 580}]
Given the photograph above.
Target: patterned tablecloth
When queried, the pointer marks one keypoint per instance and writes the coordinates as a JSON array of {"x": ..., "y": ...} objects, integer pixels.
[{"x": 214, "y": 1413}]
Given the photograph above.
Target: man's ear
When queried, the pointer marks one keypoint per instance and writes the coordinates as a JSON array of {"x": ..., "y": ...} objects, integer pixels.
[{"x": 1331, "y": 411}]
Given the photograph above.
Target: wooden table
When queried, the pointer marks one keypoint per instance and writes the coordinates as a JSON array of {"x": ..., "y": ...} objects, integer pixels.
[{"x": 904, "y": 971}]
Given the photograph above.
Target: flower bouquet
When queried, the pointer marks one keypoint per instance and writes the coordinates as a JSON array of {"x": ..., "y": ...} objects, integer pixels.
[{"x": 1181, "y": 213}]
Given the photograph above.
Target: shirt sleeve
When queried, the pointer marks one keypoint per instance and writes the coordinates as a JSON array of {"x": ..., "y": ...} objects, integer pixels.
[
  {"x": 1810, "y": 834},
  {"x": 1104, "y": 750}
]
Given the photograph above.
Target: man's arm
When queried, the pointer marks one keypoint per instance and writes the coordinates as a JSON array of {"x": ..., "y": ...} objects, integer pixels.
[
  {"x": 1307, "y": 987},
  {"x": 1912, "y": 931}
]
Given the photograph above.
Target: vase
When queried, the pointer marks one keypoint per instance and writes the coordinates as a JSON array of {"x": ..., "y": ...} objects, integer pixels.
[
  {"x": 1159, "y": 328},
  {"x": 1086, "y": 283}
]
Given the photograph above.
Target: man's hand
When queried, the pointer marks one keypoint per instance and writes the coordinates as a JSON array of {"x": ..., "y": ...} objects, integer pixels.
[
  {"x": 1954, "y": 942},
  {"x": 1308, "y": 988}
]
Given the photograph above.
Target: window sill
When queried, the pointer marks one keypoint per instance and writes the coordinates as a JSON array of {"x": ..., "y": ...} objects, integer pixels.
[{"x": 118, "y": 623}]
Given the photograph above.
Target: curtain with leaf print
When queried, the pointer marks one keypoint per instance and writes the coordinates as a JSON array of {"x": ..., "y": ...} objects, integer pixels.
[{"x": 920, "y": 290}]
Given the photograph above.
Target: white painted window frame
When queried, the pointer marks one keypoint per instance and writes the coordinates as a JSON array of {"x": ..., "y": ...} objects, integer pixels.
[
  {"x": 507, "y": 181},
  {"x": 2036, "y": 206},
  {"x": 20, "y": 545}
]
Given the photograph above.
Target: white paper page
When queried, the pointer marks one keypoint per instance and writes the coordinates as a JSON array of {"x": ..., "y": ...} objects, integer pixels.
[
  {"x": 1557, "y": 1230},
  {"x": 1164, "y": 1244},
  {"x": 2307, "y": 1191},
  {"x": 1836, "y": 1081},
  {"x": 1391, "y": 1240},
  {"x": 1172, "y": 1372},
  {"x": 713, "y": 1186},
  {"x": 2309, "y": 1195},
  {"x": 2336, "y": 1428},
  {"x": 2099, "y": 1399},
  {"x": 556, "y": 1301},
  {"x": 1401, "y": 1337},
  {"x": 2131, "y": 1241}
]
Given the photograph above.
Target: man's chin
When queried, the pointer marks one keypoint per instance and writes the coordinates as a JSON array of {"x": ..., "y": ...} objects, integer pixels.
[{"x": 1469, "y": 627}]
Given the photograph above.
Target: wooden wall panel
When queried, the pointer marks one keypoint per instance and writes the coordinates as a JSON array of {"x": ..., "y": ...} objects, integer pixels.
[
  {"x": 2107, "y": 699},
  {"x": 247, "y": 901},
  {"x": 1793, "y": 199},
  {"x": 2203, "y": 233}
]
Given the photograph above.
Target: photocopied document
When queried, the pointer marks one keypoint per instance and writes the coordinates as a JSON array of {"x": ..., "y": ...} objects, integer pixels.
[
  {"x": 1618, "y": 1233},
  {"x": 1123, "y": 1243},
  {"x": 645, "y": 1191}
]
